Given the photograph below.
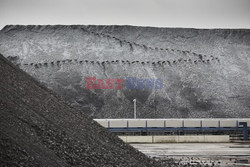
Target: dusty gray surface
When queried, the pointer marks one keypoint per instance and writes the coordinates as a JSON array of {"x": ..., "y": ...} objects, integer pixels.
[
  {"x": 39, "y": 129},
  {"x": 211, "y": 154},
  {"x": 206, "y": 73}
]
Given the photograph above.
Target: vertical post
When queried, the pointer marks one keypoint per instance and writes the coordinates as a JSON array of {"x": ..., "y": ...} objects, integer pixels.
[
  {"x": 245, "y": 130},
  {"x": 134, "y": 108}
]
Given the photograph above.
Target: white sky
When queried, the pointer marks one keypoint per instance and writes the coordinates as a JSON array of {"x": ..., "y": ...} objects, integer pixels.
[{"x": 157, "y": 13}]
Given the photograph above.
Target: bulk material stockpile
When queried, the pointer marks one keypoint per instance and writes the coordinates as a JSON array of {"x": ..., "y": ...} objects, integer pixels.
[
  {"x": 39, "y": 129},
  {"x": 198, "y": 68}
]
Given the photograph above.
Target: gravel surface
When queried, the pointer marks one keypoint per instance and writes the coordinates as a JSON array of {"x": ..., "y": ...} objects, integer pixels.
[
  {"x": 37, "y": 128},
  {"x": 199, "y": 154}
]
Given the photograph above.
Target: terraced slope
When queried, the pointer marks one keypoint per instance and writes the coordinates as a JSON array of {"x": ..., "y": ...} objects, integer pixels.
[
  {"x": 39, "y": 129},
  {"x": 205, "y": 72}
]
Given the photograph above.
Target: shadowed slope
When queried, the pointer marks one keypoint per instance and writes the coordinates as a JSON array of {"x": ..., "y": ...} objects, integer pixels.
[{"x": 39, "y": 129}]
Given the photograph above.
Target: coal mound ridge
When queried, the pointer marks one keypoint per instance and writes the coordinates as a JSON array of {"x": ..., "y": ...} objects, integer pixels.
[
  {"x": 37, "y": 128},
  {"x": 199, "y": 67}
]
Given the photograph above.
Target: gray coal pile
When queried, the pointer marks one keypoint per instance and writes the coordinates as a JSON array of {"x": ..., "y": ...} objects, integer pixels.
[
  {"x": 205, "y": 72},
  {"x": 39, "y": 129}
]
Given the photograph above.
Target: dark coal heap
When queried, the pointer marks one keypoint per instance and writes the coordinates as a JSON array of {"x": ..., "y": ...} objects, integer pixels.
[{"x": 39, "y": 129}]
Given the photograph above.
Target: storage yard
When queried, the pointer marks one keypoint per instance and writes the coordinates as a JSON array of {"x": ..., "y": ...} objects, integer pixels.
[{"x": 200, "y": 117}]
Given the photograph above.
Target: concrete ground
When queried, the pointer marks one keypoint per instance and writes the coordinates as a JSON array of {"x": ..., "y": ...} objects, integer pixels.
[{"x": 210, "y": 154}]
